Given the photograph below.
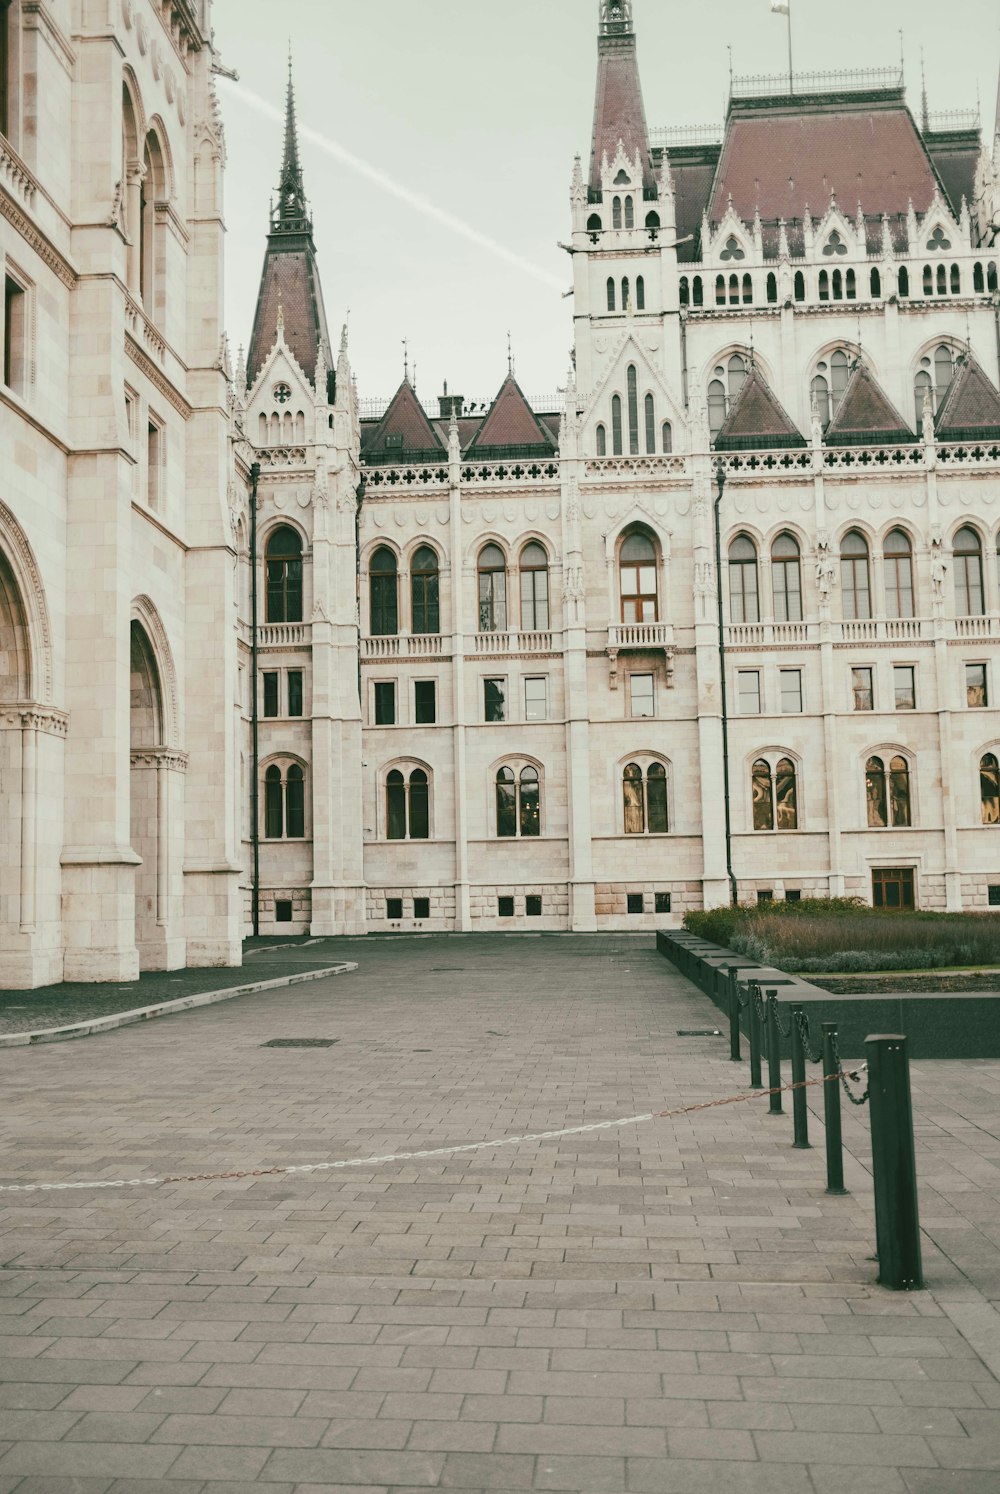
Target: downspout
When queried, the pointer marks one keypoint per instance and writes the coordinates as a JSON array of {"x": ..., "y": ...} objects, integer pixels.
[
  {"x": 996, "y": 321},
  {"x": 720, "y": 477},
  {"x": 684, "y": 357},
  {"x": 360, "y": 498},
  {"x": 254, "y": 725}
]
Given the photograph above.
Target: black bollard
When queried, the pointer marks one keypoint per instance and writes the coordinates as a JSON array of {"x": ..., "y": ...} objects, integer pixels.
[
  {"x": 894, "y": 1164},
  {"x": 734, "y": 1013},
  {"x": 831, "y": 1111},
  {"x": 773, "y": 1054},
  {"x": 800, "y": 1110},
  {"x": 753, "y": 1023}
]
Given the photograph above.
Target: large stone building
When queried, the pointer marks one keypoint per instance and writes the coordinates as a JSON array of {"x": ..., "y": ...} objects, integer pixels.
[
  {"x": 488, "y": 663},
  {"x": 119, "y": 829}
]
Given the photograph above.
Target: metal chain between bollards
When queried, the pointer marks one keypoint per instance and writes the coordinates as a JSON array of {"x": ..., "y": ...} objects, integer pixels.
[
  {"x": 802, "y": 1022},
  {"x": 850, "y": 1074}
]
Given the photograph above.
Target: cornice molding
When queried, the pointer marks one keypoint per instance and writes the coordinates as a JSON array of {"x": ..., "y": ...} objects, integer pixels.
[
  {"x": 157, "y": 378},
  {"x": 35, "y": 717},
  {"x": 43, "y": 247}
]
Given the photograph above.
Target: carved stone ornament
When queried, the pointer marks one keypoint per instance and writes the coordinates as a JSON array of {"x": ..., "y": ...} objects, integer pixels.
[
  {"x": 939, "y": 564},
  {"x": 128, "y": 14},
  {"x": 142, "y": 33},
  {"x": 826, "y": 565}
]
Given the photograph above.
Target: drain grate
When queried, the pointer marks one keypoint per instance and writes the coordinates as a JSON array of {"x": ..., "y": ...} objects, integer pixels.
[
  {"x": 300, "y": 1043},
  {"x": 700, "y": 1032}
]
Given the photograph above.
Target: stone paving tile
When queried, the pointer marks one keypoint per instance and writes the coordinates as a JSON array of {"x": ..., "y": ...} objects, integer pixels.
[{"x": 675, "y": 1307}]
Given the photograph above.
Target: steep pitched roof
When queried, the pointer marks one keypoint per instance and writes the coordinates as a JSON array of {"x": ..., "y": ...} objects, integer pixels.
[
  {"x": 404, "y": 428},
  {"x": 970, "y": 410},
  {"x": 756, "y": 419},
  {"x": 619, "y": 113},
  {"x": 866, "y": 414},
  {"x": 511, "y": 422}
]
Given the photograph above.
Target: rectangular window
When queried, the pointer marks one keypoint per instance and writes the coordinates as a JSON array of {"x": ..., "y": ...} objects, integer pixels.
[
  {"x": 505, "y": 907},
  {"x": 421, "y": 907},
  {"x": 904, "y": 687},
  {"x": 748, "y": 692},
  {"x": 765, "y": 894},
  {"x": 975, "y": 685},
  {"x": 295, "y": 692},
  {"x": 394, "y": 908},
  {"x": 636, "y": 902},
  {"x": 154, "y": 462},
  {"x": 282, "y": 911},
  {"x": 892, "y": 888},
  {"x": 863, "y": 688},
  {"x": 993, "y": 895},
  {"x": 425, "y": 702},
  {"x": 270, "y": 694},
  {"x": 385, "y": 703},
  {"x": 791, "y": 690},
  {"x": 793, "y": 894},
  {"x": 15, "y": 330},
  {"x": 536, "y": 699},
  {"x": 662, "y": 902},
  {"x": 640, "y": 691},
  {"x": 495, "y": 700},
  {"x": 533, "y": 905},
  {"x": 131, "y": 418}
]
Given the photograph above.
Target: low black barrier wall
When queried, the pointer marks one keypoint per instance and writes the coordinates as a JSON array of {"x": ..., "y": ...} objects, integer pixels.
[{"x": 938, "y": 1025}]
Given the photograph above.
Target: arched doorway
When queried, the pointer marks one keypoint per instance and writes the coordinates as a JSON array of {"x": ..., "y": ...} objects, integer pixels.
[
  {"x": 147, "y": 805},
  {"x": 15, "y": 687}
]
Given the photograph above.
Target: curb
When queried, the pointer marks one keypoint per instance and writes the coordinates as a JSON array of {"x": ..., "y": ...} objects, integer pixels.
[{"x": 97, "y": 1025}]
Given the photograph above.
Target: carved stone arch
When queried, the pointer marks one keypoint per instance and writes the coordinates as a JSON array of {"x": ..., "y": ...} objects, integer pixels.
[
  {"x": 421, "y": 542},
  {"x": 928, "y": 346},
  {"x": 516, "y": 759},
  {"x": 824, "y": 351},
  {"x": 638, "y": 517},
  {"x": 282, "y": 755},
  {"x": 978, "y": 528},
  {"x": 130, "y": 86},
  {"x": 383, "y": 542},
  {"x": 403, "y": 761},
  {"x": 487, "y": 537},
  {"x": 21, "y": 560},
  {"x": 145, "y": 614},
  {"x": 723, "y": 356},
  {"x": 788, "y": 525},
  {"x": 534, "y": 537},
  {"x": 282, "y": 521},
  {"x": 158, "y": 129},
  {"x": 863, "y": 526},
  {"x": 752, "y": 532},
  {"x": 903, "y": 523}
]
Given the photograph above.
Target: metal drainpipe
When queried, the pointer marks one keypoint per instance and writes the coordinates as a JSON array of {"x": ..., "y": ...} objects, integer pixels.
[
  {"x": 996, "y": 320},
  {"x": 720, "y": 477},
  {"x": 254, "y": 726},
  {"x": 359, "y": 499}
]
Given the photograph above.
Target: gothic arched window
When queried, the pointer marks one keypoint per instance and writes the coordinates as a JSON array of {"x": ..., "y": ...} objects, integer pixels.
[
  {"x": 283, "y": 571},
  {"x": 772, "y": 288},
  {"x": 854, "y": 576},
  {"x": 989, "y": 789},
  {"x": 762, "y": 795},
  {"x": 744, "y": 596},
  {"x": 425, "y": 591},
  {"x": 786, "y": 579},
  {"x": 384, "y": 593},
  {"x": 518, "y": 802},
  {"x": 626, "y": 294},
  {"x": 968, "y": 552},
  {"x": 616, "y": 424},
  {"x": 644, "y": 795},
  {"x": 534, "y": 588},
  {"x": 888, "y": 796},
  {"x": 637, "y": 577},
  {"x": 650, "y": 412},
  {"x": 611, "y": 293},
  {"x": 629, "y": 212},
  {"x": 800, "y": 286},
  {"x": 774, "y": 794},
  {"x": 640, "y": 293},
  {"x": 633, "y": 410},
  {"x": 492, "y": 571},
  {"x": 668, "y": 437},
  {"x": 602, "y": 441},
  {"x": 407, "y": 805},
  {"x": 897, "y": 566},
  {"x": 875, "y": 283},
  {"x": 616, "y": 213},
  {"x": 716, "y": 406},
  {"x": 284, "y": 802}
]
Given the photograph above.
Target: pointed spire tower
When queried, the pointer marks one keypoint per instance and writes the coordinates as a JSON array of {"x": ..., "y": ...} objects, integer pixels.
[
  {"x": 619, "y": 114},
  {"x": 290, "y": 282}
]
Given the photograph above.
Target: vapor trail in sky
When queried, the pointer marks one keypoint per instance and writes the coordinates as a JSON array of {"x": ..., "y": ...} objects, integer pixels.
[{"x": 396, "y": 189}]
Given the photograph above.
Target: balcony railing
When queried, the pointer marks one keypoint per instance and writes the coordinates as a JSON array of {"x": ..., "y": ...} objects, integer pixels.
[
  {"x": 513, "y": 642},
  {"x": 284, "y": 635},
  {"x": 750, "y": 635},
  {"x": 640, "y": 635},
  {"x": 885, "y": 629},
  {"x": 976, "y": 627},
  {"x": 406, "y": 646}
]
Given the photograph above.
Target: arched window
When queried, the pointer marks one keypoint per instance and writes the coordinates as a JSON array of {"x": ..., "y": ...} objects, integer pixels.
[
  {"x": 716, "y": 406},
  {"x": 850, "y": 281},
  {"x": 747, "y": 290},
  {"x": 942, "y": 281},
  {"x": 786, "y": 579},
  {"x": 897, "y": 565},
  {"x": 744, "y": 598},
  {"x": 407, "y": 805},
  {"x": 840, "y": 373},
  {"x": 772, "y": 288},
  {"x": 774, "y": 795},
  {"x": 594, "y": 226},
  {"x": 534, "y": 588},
  {"x": 786, "y": 795},
  {"x": 640, "y": 294},
  {"x": 838, "y": 285},
  {"x": 611, "y": 293},
  {"x": 968, "y": 551},
  {"x": 668, "y": 437},
  {"x": 928, "y": 280},
  {"x": 734, "y": 290},
  {"x": 800, "y": 286},
  {"x": 989, "y": 789},
  {"x": 616, "y": 213},
  {"x": 384, "y": 594},
  {"x": 626, "y": 294},
  {"x": 602, "y": 441},
  {"x": 152, "y": 191},
  {"x": 629, "y": 212},
  {"x": 650, "y": 410},
  {"x": 944, "y": 369},
  {"x": 616, "y": 424},
  {"x": 956, "y": 281},
  {"x": 425, "y": 607},
  {"x": 283, "y": 568},
  {"x": 653, "y": 223},
  {"x": 875, "y": 283},
  {"x": 720, "y": 290},
  {"x": 903, "y": 281},
  {"x": 633, "y": 410},
  {"x": 762, "y": 795},
  {"x": 991, "y": 275},
  {"x": 637, "y": 578},
  {"x": 854, "y": 583},
  {"x": 697, "y": 291},
  {"x": 684, "y": 291},
  {"x": 824, "y": 285},
  {"x": 978, "y": 282},
  {"x": 492, "y": 590},
  {"x": 518, "y": 802},
  {"x": 284, "y": 802},
  {"x": 644, "y": 797},
  {"x": 736, "y": 371},
  {"x": 888, "y": 800},
  {"x": 820, "y": 391},
  {"x": 923, "y": 389}
]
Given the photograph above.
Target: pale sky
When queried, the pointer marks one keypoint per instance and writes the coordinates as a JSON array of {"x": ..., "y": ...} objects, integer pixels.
[{"x": 477, "y": 109}]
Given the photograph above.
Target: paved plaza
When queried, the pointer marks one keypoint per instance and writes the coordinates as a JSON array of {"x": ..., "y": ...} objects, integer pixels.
[{"x": 673, "y": 1307}]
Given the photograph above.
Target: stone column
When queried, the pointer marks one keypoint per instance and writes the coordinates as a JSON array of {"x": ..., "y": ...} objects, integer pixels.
[{"x": 29, "y": 818}]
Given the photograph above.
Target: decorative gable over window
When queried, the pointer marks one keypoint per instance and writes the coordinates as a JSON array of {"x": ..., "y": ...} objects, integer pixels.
[
  {"x": 511, "y": 428},
  {"x": 970, "y": 410},
  {"x": 756, "y": 419},
  {"x": 866, "y": 416}
]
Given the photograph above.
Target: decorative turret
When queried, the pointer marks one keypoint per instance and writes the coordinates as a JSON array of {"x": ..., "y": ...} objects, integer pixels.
[{"x": 619, "y": 115}]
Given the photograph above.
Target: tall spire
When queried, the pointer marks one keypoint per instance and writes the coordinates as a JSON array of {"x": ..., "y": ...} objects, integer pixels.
[
  {"x": 619, "y": 114},
  {"x": 292, "y": 215}
]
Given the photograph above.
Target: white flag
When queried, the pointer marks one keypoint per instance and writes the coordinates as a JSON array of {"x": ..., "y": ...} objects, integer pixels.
[{"x": 780, "y": 7}]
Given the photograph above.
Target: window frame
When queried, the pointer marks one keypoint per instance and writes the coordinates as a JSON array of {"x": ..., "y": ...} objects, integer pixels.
[
  {"x": 425, "y": 593},
  {"x": 424, "y": 720},
  {"x": 854, "y": 563},
  {"x": 284, "y": 780},
  {"x": 786, "y": 580},
  {"x": 382, "y": 685},
  {"x": 641, "y": 674},
  {"x": 741, "y": 568},
  {"x": 799, "y": 695},
  {"x": 523, "y": 784},
  {"x": 770, "y": 769},
  {"x": 383, "y": 594},
  {"x": 645, "y": 793},
  {"x": 492, "y": 614},
  {"x": 504, "y": 702},
  {"x": 536, "y": 679},
  {"x": 899, "y": 670},
  {"x": 406, "y": 790},
  {"x": 739, "y": 693},
  {"x": 897, "y": 576},
  {"x": 869, "y": 669},
  {"x": 289, "y": 589},
  {"x": 18, "y": 320},
  {"x": 536, "y": 614},
  {"x": 631, "y": 570}
]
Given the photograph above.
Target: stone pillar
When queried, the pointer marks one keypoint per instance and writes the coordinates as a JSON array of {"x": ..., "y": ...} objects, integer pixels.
[{"x": 29, "y": 819}]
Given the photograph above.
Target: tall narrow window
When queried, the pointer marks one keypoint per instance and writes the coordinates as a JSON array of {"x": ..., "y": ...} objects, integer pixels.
[
  {"x": 720, "y": 290},
  {"x": 626, "y": 294},
  {"x": 637, "y": 577},
  {"x": 611, "y": 293},
  {"x": 747, "y": 290},
  {"x": 629, "y": 212},
  {"x": 942, "y": 281},
  {"x": 395, "y": 806},
  {"x": 616, "y": 213},
  {"x": 295, "y": 803},
  {"x": 424, "y": 591},
  {"x": 923, "y": 389},
  {"x": 650, "y": 406},
  {"x": 824, "y": 285},
  {"x": 492, "y": 590},
  {"x": 898, "y": 570},
  {"x": 899, "y": 791},
  {"x": 644, "y": 799},
  {"x": 534, "y": 588},
  {"x": 944, "y": 368},
  {"x": 903, "y": 281},
  {"x": 969, "y": 601},
  {"x": 419, "y": 805},
  {"x": 295, "y": 694},
  {"x": 744, "y": 599},
  {"x": 875, "y": 284},
  {"x": 989, "y": 789},
  {"x": 635, "y": 815},
  {"x": 800, "y": 286},
  {"x": 854, "y": 583},
  {"x": 602, "y": 441},
  {"x": 640, "y": 294},
  {"x": 840, "y": 372},
  {"x": 956, "y": 281},
  {"x": 506, "y": 793},
  {"x": 716, "y": 406},
  {"x": 772, "y": 288},
  {"x": 762, "y": 795},
  {"x": 616, "y": 424},
  {"x": 786, "y": 579},
  {"x": 850, "y": 280},
  {"x": 976, "y": 694},
  {"x": 875, "y": 796},
  {"x": 863, "y": 687},
  {"x": 407, "y": 805},
  {"x": 820, "y": 392},
  {"x": 273, "y": 803},
  {"x": 668, "y": 437},
  {"x": 283, "y": 566},
  {"x": 384, "y": 599},
  {"x": 633, "y": 410},
  {"x": 698, "y": 291},
  {"x": 154, "y": 463},
  {"x": 530, "y": 817},
  {"x": 684, "y": 290},
  {"x": 14, "y": 326},
  {"x": 786, "y": 795},
  {"x": 736, "y": 373}
]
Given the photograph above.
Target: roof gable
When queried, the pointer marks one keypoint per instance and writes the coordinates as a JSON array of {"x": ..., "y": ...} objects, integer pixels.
[
  {"x": 866, "y": 414},
  {"x": 511, "y": 422},
  {"x": 970, "y": 409},
  {"x": 757, "y": 419},
  {"x": 404, "y": 428}
]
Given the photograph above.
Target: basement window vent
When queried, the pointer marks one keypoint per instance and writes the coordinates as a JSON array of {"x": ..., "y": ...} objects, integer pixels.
[{"x": 282, "y": 911}]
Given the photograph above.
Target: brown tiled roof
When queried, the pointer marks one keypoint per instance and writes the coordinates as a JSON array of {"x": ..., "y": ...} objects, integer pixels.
[
  {"x": 866, "y": 414},
  {"x": 757, "y": 419},
  {"x": 290, "y": 279},
  {"x": 785, "y": 157},
  {"x": 511, "y": 422},
  {"x": 693, "y": 171},
  {"x": 404, "y": 418},
  {"x": 956, "y": 155},
  {"x": 970, "y": 410},
  {"x": 619, "y": 114}
]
